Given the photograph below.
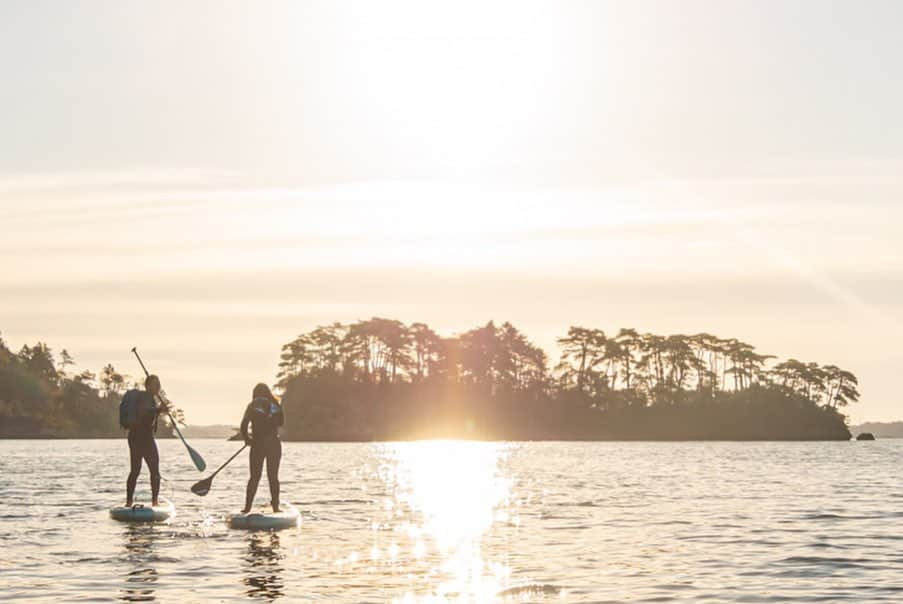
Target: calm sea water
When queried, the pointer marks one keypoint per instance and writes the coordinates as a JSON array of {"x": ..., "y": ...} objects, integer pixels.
[{"x": 469, "y": 522}]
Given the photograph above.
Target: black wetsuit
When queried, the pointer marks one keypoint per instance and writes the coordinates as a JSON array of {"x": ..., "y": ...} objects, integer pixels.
[
  {"x": 143, "y": 446},
  {"x": 265, "y": 416}
]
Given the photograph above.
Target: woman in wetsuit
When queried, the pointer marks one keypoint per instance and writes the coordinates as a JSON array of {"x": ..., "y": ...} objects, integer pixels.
[
  {"x": 142, "y": 445},
  {"x": 265, "y": 416}
]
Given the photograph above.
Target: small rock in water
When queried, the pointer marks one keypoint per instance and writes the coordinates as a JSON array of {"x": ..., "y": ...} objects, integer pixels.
[{"x": 865, "y": 436}]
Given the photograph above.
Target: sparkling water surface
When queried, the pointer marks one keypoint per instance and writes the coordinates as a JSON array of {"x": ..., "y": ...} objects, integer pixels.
[{"x": 466, "y": 522}]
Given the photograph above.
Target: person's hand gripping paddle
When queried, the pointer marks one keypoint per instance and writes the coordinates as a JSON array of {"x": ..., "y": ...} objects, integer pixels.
[
  {"x": 196, "y": 458},
  {"x": 202, "y": 487}
]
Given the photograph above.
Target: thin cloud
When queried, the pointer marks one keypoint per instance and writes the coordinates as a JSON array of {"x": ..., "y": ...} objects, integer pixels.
[
  {"x": 74, "y": 181},
  {"x": 818, "y": 279}
]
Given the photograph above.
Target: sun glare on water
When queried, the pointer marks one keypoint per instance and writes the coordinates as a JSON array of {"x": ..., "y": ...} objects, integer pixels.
[{"x": 446, "y": 497}]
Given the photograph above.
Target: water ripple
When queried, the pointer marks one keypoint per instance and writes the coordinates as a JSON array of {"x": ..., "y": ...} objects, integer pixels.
[{"x": 467, "y": 522}]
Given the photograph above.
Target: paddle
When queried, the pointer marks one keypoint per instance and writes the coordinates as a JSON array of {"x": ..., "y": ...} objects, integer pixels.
[
  {"x": 202, "y": 487},
  {"x": 195, "y": 456}
]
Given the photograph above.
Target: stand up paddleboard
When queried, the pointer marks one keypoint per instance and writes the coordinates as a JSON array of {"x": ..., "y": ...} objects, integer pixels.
[
  {"x": 144, "y": 513},
  {"x": 262, "y": 520}
]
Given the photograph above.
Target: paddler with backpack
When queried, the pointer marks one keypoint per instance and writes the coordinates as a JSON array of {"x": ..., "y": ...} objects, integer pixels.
[{"x": 138, "y": 413}]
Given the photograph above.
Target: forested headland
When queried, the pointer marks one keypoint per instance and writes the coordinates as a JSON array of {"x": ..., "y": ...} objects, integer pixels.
[
  {"x": 380, "y": 379},
  {"x": 41, "y": 398}
]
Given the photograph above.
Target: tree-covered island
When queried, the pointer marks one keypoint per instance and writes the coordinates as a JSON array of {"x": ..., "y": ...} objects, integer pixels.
[
  {"x": 380, "y": 379},
  {"x": 383, "y": 380}
]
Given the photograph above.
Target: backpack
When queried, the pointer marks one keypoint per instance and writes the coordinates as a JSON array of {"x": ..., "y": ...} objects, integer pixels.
[
  {"x": 130, "y": 409},
  {"x": 265, "y": 406}
]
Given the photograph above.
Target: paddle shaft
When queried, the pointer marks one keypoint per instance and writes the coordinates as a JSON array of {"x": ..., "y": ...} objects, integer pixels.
[
  {"x": 202, "y": 487},
  {"x": 171, "y": 418},
  {"x": 234, "y": 455}
]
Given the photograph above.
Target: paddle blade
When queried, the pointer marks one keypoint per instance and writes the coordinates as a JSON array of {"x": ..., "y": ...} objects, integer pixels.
[
  {"x": 196, "y": 458},
  {"x": 202, "y": 487}
]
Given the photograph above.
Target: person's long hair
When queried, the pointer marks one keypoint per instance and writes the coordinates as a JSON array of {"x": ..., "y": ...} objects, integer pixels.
[{"x": 263, "y": 391}]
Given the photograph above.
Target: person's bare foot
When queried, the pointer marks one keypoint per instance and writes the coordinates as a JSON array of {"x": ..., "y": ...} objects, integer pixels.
[
  {"x": 246, "y": 511},
  {"x": 128, "y": 503},
  {"x": 155, "y": 503}
]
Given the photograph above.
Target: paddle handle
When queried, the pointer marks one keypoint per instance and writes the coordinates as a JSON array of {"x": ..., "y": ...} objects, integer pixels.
[
  {"x": 135, "y": 352},
  {"x": 171, "y": 418}
]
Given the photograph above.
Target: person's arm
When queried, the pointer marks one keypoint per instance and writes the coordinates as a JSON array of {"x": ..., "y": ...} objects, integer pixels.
[
  {"x": 279, "y": 418},
  {"x": 244, "y": 427},
  {"x": 159, "y": 407}
]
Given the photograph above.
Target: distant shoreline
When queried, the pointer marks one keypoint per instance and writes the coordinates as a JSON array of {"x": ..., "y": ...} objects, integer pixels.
[
  {"x": 226, "y": 434},
  {"x": 537, "y": 440},
  {"x": 882, "y": 430},
  {"x": 71, "y": 437}
]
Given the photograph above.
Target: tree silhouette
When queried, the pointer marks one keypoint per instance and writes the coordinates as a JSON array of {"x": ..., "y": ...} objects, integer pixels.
[
  {"x": 427, "y": 351},
  {"x": 841, "y": 386},
  {"x": 39, "y": 361},
  {"x": 629, "y": 343},
  {"x": 66, "y": 361},
  {"x": 576, "y": 351},
  {"x": 112, "y": 381}
]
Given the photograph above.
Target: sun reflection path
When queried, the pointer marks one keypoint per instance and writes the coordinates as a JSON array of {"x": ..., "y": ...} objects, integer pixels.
[{"x": 446, "y": 495}]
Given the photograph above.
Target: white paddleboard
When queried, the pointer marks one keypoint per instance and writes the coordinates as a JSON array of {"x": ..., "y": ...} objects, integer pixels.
[
  {"x": 144, "y": 513},
  {"x": 261, "y": 520}
]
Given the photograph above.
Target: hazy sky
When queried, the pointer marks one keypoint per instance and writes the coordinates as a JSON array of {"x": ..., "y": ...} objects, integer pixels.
[{"x": 206, "y": 180}]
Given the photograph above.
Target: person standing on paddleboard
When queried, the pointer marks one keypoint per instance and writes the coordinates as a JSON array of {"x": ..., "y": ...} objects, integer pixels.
[
  {"x": 265, "y": 416},
  {"x": 138, "y": 412}
]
